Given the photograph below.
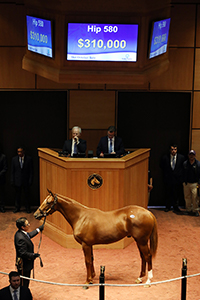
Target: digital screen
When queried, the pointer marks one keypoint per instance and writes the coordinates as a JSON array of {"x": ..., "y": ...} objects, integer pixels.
[
  {"x": 39, "y": 36},
  {"x": 102, "y": 42},
  {"x": 159, "y": 39}
]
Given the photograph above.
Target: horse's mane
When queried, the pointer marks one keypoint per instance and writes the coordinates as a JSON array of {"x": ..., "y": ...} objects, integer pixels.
[{"x": 67, "y": 199}]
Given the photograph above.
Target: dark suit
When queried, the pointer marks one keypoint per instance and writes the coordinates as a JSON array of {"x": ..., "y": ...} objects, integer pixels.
[
  {"x": 81, "y": 147},
  {"x": 3, "y": 169},
  {"x": 21, "y": 178},
  {"x": 25, "y": 250},
  {"x": 25, "y": 293},
  {"x": 173, "y": 180},
  {"x": 103, "y": 146}
]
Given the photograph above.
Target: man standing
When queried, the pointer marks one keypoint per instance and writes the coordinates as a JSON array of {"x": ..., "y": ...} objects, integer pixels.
[
  {"x": 14, "y": 290},
  {"x": 21, "y": 178},
  {"x": 110, "y": 144},
  {"x": 75, "y": 145},
  {"x": 191, "y": 178},
  {"x": 25, "y": 255},
  {"x": 172, "y": 166},
  {"x": 3, "y": 169}
]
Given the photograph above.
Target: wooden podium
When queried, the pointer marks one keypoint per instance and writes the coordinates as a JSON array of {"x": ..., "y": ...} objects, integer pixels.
[{"x": 103, "y": 183}]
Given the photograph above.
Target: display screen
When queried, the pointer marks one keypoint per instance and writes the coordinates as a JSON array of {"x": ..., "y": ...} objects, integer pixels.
[
  {"x": 159, "y": 38},
  {"x": 102, "y": 42},
  {"x": 39, "y": 35}
]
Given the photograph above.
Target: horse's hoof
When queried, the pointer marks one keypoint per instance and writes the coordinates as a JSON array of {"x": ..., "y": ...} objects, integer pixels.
[
  {"x": 147, "y": 285},
  {"x": 138, "y": 280},
  {"x": 87, "y": 287}
]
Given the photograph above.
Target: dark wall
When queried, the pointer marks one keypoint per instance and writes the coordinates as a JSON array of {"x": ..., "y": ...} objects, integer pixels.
[
  {"x": 155, "y": 120},
  {"x": 33, "y": 119}
]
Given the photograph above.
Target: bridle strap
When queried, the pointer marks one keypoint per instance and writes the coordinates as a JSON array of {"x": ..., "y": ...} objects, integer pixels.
[{"x": 46, "y": 213}]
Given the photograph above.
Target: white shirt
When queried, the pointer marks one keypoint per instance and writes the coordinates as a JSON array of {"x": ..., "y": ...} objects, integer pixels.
[
  {"x": 17, "y": 293},
  {"x": 73, "y": 142},
  {"x": 113, "y": 143},
  {"x": 175, "y": 156}
]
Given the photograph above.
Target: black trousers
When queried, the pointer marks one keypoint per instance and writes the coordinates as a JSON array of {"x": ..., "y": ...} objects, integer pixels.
[
  {"x": 2, "y": 195},
  {"x": 18, "y": 194},
  {"x": 26, "y": 273},
  {"x": 173, "y": 195}
]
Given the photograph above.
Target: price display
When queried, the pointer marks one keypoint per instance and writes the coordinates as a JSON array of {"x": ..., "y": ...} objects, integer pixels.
[
  {"x": 102, "y": 42},
  {"x": 159, "y": 38},
  {"x": 39, "y": 35}
]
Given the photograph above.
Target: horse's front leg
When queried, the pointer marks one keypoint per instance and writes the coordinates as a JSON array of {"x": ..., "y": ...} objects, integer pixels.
[
  {"x": 92, "y": 267},
  {"x": 88, "y": 262}
]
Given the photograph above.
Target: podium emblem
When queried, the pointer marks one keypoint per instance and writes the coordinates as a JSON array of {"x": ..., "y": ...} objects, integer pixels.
[{"x": 95, "y": 181}]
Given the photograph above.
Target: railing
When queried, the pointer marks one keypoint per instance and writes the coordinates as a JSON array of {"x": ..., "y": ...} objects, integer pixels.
[{"x": 102, "y": 283}]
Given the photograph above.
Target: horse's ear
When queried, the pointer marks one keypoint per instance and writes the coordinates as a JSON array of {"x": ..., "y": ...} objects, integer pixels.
[{"x": 50, "y": 192}]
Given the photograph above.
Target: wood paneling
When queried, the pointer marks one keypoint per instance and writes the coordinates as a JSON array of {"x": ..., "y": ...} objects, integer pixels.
[
  {"x": 198, "y": 27},
  {"x": 196, "y": 142},
  {"x": 12, "y": 24},
  {"x": 92, "y": 109},
  {"x": 43, "y": 83},
  {"x": 197, "y": 70},
  {"x": 11, "y": 74},
  {"x": 196, "y": 110},
  {"x": 182, "y": 34},
  {"x": 124, "y": 182},
  {"x": 92, "y": 138},
  {"x": 179, "y": 76}
]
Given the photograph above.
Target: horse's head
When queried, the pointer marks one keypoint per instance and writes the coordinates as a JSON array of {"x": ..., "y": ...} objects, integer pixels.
[{"x": 47, "y": 207}]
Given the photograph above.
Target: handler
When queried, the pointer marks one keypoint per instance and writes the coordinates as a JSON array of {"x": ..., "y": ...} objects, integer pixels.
[{"x": 25, "y": 255}]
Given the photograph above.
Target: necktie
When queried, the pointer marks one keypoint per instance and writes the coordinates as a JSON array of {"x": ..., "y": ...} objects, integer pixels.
[
  {"x": 173, "y": 163},
  {"x": 21, "y": 162},
  {"x": 75, "y": 148},
  {"x": 15, "y": 295},
  {"x": 110, "y": 150}
]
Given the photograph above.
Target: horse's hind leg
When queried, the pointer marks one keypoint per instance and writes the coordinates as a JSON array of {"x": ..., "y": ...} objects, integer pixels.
[
  {"x": 143, "y": 268},
  {"x": 146, "y": 257},
  {"x": 88, "y": 253}
]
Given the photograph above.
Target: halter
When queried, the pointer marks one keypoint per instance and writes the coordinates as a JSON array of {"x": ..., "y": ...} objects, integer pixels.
[{"x": 46, "y": 213}]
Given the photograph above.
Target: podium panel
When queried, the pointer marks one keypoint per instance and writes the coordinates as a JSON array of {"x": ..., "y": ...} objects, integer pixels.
[{"x": 106, "y": 184}]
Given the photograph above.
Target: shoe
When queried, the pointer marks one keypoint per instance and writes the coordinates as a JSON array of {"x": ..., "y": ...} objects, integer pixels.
[
  {"x": 28, "y": 211},
  {"x": 166, "y": 209},
  {"x": 196, "y": 214},
  {"x": 16, "y": 210},
  {"x": 2, "y": 209},
  {"x": 176, "y": 209}
]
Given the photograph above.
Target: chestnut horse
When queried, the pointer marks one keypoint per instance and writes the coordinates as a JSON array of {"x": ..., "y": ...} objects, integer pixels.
[{"x": 92, "y": 226}]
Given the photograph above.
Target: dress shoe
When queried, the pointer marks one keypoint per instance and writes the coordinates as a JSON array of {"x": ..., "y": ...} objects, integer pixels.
[
  {"x": 176, "y": 209},
  {"x": 167, "y": 209},
  {"x": 28, "y": 211},
  {"x": 2, "y": 209},
  {"x": 16, "y": 210}
]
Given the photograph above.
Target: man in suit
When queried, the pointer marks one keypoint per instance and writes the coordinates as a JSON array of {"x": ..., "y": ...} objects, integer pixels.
[
  {"x": 21, "y": 178},
  {"x": 75, "y": 145},
  {"x": 3, "y": 169},
  {"x": 14, "y": 290},
  {"x": 172, "y": 166},
  {"x": 191, "y": 183},
  {"x": 110, "y": 144},
  {"x": 25, "y": 255}
]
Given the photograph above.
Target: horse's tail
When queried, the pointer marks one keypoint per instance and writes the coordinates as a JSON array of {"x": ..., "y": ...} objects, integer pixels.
[{"x": 154, "y": 238}]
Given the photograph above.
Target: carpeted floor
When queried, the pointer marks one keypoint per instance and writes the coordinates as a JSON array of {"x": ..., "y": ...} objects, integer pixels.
[{"x": 179, "y": 237}]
